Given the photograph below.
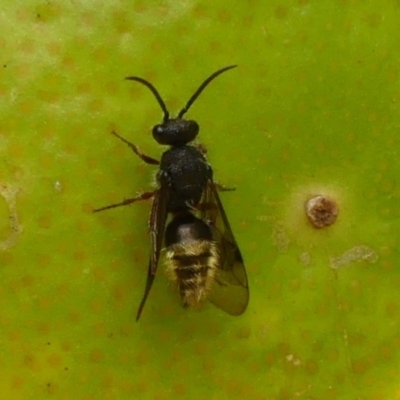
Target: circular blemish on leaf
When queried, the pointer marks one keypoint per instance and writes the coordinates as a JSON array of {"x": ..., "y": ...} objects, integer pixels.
[{"x": 321, "y": 211}]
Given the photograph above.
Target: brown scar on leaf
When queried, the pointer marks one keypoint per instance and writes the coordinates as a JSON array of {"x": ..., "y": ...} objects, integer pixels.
[{"x": 321, "y": 211}]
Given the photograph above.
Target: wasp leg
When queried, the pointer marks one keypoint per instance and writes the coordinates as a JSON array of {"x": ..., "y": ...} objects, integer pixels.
[
  {"x": 146, "y": 159},
  {"x": 143, "y": 196}
]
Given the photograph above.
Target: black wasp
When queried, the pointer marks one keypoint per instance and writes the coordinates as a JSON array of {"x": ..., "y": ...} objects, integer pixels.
[{"x": 202, "y": 255}]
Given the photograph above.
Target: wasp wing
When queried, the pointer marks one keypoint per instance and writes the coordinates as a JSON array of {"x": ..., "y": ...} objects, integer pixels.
[
  {"x": 231, "y": 291},
  {"x": 157, "y": 220}
]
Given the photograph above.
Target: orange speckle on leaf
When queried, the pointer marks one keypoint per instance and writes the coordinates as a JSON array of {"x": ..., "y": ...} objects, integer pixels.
[
  {"x": 44, "y": 221},
  {"x": 126, "y": 330},
  {"x": 108, "y": 380},
  {"x": 359, "y": 367},
  {"x": 79, "y": 255},
  {"x": 224, "y": 15},
  {"x": 43, "y": 260},
  {"x": 270, "y": 359},
  {"x": 128, "y": 239},
  {"x": 99, "y": 273},
  {"x": 26, "y": 46},
  {"x": 54, "y": 360},
  {"x": 96, "y": 306},
  {"x": 14, "y": 336},
  {"x": 311, "y": 367},
  {"x": 96, "y": 356},
  {"x": 27, "y": 280},
  {"x": 30, "y": 361},
  {"x": 164, "y": 335},
  {"x": 179, "y": 389},
  {"x": 43, "y": 327},
  {"x": 74, "y": 317},
  {"x": 243, "y": 333},
  {"x": 120, "y": 293},
  {"x": 386, "y": 352},
  {"x": 45, "y": 302},
  {"x": 284, "y": 348},
  {"x": 17, "y": 382},
  {"x": 16, "y": 151},
  {"x": 208, "y": 365},
  {"x": 143, "y": 357},
  {"x": 387, "y": 265},
  {"x": 141, "y": 387},
  {"x": 202, "y": 348},
  {"x": 281, "y": 12},
  {"x": 66, "y": 346},
  {"x": 100, "y": 329}
]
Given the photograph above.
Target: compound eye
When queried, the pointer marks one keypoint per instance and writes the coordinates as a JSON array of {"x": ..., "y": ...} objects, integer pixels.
[
  {"x": 192, "y": 130},
  {"x": 158, "y": 132}
]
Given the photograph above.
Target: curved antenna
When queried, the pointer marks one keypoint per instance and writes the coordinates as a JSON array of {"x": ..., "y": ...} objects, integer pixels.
[
  {"x": 202, "y": 87},
  {"x": 154, "y": 91}
]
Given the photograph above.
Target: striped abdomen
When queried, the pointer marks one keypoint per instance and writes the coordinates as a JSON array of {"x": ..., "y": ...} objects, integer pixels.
[{"x": 192, "y": 265}]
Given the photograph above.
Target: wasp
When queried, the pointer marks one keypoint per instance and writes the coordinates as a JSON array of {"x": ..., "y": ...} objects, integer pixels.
[{"x": 202, "y": 255}]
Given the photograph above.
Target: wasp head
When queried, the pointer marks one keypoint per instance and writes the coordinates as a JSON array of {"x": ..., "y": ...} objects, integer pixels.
[{"x": 177, "y": 131}]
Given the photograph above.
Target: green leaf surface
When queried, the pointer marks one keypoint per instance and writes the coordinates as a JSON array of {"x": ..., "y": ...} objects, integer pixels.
[{"x": 312, "y": 109}]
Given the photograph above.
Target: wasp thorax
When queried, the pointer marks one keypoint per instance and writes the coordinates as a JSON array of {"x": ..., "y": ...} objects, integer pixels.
[{"x": 175, "y": 132}]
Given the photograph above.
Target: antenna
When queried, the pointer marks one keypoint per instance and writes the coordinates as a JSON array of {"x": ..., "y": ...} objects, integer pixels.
[
  {"x": 154, "y": 91},
  {"x": 202, "y": 87},
  {"x": 191, "y": 100}
]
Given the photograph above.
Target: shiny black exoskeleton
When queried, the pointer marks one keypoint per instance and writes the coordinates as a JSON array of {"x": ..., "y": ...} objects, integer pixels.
[{"x": 187, "y": 173}]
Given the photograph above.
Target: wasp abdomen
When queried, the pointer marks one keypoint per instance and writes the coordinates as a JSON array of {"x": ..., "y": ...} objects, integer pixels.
[{"x": 193, "y": 265}]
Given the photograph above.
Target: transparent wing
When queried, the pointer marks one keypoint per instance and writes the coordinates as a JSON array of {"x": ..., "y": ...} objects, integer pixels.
[
  {"x": 231, "y": 291},
  {"x": 157, "y": 220}
]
